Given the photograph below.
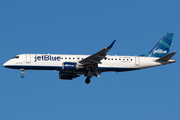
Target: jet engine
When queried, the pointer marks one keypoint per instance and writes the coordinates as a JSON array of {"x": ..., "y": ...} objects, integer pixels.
[{"x": 67, "y": 76}]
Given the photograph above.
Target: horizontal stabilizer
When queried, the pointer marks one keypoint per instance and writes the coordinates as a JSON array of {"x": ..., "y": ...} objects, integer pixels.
[{"x": 166, "y": 58}]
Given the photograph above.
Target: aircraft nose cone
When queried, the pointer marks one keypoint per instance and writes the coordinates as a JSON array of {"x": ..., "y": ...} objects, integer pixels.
[{"x": 5, "y": 64}]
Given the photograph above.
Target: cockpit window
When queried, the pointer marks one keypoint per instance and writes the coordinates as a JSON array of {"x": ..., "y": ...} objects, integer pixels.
[{"x": 15, "y": 57}]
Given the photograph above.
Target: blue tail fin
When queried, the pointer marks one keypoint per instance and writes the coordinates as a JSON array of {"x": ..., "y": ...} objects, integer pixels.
[{"x": 162, "y": 47}]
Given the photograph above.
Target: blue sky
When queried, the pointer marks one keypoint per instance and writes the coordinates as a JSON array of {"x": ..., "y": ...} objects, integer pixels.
[{"x": 85, "y": 27}]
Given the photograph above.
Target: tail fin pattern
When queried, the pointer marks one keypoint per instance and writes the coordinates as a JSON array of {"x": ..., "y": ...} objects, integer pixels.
[{"x": 162, "y": 47}]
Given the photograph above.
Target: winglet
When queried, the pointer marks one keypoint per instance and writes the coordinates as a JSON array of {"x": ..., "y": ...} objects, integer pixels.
[{"x": 111, "y": 45}]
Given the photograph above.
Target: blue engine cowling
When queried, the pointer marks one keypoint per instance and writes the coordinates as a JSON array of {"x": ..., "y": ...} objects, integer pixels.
[
  {"x": 70, "y": 66},
  {"x": 67, "y": 76}
]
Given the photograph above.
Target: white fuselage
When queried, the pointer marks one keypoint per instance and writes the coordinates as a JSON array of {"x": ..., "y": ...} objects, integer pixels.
[{"x": 55, "y": 62}]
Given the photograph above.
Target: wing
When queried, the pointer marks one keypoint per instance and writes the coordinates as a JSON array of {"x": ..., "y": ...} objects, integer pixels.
[{"x": 97, "y": 57}]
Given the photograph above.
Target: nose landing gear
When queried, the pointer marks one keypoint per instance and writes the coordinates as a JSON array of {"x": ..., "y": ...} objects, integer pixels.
[{"x": 22, "y": 71}]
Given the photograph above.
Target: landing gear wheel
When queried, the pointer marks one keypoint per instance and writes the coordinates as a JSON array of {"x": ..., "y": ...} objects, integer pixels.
[
  {"x": 22, "y": 76},
  {"x": 87, "y": 81},
  {"x": 22, "y": 71}
]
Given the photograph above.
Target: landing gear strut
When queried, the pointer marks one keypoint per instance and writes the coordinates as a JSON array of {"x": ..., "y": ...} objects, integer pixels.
[
  {"x": 88, "y": 80},
  {"x": 22, "y": 71}
]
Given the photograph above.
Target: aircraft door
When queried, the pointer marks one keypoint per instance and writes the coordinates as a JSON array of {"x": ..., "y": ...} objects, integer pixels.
[
  {"x": 28, "y": 58},
  {"x": 137, "y": 61}
]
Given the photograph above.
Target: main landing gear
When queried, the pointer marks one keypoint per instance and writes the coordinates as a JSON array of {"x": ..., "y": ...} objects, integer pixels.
[
  {"x": 88, "y": 80},
  {"x": 89, "y": 75},
  {"x": 22, "y": 71}
]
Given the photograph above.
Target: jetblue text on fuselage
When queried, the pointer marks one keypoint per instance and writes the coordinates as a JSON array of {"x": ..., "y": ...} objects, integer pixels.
[{"x": 46, "y": 58}]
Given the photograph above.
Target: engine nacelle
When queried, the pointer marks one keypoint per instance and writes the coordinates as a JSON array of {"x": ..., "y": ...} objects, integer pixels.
[
  {"x": 68, "y": 66},
  {"x": 67, "y": 76}
]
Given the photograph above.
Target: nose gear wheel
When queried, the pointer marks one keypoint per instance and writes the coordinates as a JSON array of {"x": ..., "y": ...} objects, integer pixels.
[{"x": 22, "y": 71}]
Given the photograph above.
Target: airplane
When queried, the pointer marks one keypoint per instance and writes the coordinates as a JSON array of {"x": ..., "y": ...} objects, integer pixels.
[{"x": 72, "y": 66}]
